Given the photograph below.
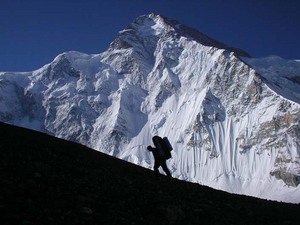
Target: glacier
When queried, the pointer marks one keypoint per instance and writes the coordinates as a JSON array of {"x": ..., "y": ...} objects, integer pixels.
[{"x": 233, "y": 120}]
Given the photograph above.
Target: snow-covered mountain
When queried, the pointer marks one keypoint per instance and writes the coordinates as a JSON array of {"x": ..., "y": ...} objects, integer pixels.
[{"x": 233, "y": 120}]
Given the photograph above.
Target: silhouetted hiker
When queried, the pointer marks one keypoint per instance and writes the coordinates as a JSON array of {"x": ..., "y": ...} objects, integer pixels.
[{"x": 161, "y": 153}]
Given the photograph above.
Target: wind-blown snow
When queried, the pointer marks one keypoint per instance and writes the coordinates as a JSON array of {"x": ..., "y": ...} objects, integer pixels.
[{"x": 233, "y": 121}]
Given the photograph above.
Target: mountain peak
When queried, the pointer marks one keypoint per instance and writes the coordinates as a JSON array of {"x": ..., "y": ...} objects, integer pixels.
[
  {"x": 143, "y": 27},
  {"x": 157, "y": 25}
]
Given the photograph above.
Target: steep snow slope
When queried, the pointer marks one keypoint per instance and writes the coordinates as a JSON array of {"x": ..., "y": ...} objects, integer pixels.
[{"x": 233, "y": 126}]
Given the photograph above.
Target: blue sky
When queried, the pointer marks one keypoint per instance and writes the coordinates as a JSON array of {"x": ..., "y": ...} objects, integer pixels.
[{"x": 34, "y": 32}]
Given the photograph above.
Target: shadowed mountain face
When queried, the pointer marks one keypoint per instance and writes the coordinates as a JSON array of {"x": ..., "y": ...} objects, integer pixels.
[{"x": 45, "y": 180}]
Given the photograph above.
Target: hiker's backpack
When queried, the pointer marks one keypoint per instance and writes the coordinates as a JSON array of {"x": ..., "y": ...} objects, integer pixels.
[{"x": 164, "y": 147}]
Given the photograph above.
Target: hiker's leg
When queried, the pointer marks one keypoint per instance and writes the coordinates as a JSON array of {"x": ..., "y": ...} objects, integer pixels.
[
  {"x": 165, "y": 168},
  {"x": 156, "y": 166}
]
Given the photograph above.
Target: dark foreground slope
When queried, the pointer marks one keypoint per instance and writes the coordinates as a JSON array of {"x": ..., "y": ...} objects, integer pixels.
[{"x": 45, "y": 180}]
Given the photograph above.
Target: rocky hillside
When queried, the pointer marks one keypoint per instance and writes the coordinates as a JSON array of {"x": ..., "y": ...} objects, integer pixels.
[{"x": 45, "y": 180}]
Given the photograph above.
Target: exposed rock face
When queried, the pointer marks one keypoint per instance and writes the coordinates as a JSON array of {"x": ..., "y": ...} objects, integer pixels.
[{"x": 233, "y": 126}]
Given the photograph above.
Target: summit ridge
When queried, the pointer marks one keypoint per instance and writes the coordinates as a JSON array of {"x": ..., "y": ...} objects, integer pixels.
[{"x": 155, "y": 24}]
